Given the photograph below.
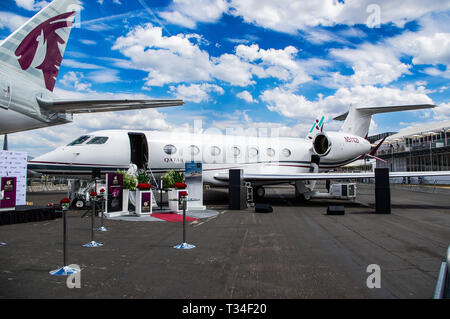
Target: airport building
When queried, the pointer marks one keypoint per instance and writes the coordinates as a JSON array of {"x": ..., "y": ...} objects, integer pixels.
[{"x": 417, "y": 148}]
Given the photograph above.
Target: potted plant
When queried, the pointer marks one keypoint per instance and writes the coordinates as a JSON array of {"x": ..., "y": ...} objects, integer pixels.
[
  {"x": 176, "y": 182},
  {"x": 129, "y": 184}
]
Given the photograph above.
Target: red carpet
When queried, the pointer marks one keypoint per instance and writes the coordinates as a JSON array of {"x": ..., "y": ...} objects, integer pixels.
[{"x": 174, "y": 218}]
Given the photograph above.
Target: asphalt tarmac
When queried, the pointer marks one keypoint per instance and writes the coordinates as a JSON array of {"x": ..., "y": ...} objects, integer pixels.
[{"x": 295, "y": 252}]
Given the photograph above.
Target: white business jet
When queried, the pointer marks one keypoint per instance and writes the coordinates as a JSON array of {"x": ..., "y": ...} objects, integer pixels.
[
  {"x": 30, "y": 59},
  {"x": 266, "y": 160}
]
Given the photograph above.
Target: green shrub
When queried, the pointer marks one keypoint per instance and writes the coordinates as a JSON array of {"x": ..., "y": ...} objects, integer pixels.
[
  {"x": 172, "y": 177},
  {"x": 143, "y": 176},
  {"x": 129, "y": 181}
]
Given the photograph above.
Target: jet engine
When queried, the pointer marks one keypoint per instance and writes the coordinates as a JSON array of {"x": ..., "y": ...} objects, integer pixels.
[{"x": 340, "y": 146}]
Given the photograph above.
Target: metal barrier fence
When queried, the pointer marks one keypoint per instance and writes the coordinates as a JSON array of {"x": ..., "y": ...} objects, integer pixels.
[
  {"x": 47, "y": 185},
  {"x": 442, "y": 290}
]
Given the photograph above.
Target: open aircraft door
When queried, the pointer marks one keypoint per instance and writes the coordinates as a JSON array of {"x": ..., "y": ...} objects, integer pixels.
[
  {"x": 139, "y": 150},
  {"x": 5, "y": 90}
]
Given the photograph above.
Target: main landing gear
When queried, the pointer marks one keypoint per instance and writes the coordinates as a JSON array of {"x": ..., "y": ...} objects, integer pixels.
[{"x": 259, "y": 192}]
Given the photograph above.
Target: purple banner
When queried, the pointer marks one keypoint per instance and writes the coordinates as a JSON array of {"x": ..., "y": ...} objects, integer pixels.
[
  {"x": 8, "y": 186},
  {"x": 115, "y": 192},
  {"x": 146, "y": 202}
]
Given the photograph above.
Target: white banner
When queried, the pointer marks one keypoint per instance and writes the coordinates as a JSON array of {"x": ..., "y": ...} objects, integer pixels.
[{"x": 14, "y": 164}]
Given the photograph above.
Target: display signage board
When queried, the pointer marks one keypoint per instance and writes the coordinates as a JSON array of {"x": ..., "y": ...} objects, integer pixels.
[
  {"x": 8, "y": 189},
  {"x": 143, "y": 202},
  {"x": 115, "y": 192},
  {"x": 14, "y": 164},
  {"x": 194, "y": 182}
]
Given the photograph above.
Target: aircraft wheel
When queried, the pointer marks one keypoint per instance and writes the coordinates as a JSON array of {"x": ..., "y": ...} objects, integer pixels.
[
  {"x": 79, "y": 203},
  {"x": 259, "y": 192},
  {"x": 303, "y": 198}
]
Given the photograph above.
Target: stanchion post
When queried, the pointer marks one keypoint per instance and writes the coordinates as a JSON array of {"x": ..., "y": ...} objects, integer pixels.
[
  {"x": 93, "y": 243},
  {"x": 184, "y": 244},
  {"x": 65, "y": 270},
  {"x": 102, "y": 227},
  {"x": 184, "y": 220}
]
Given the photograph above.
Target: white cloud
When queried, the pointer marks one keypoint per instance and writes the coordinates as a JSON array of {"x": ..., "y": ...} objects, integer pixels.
[
  {"x": 189, "y": 12},
  {"x": 167, "y": 59},
  {"x": 442, "y": 112},
  {"x": 177, "y": 59},
  {"x": 231, "y": 69},
  {"x": 430, "y": 45},
  {"x": 196, "y": 92},
  {"x": 246, "y": 96},
  {"x": 299, "y": 107},
  {"x": 372, "y": 64},
  {"x": 11, "y": 21},
  {"x": 75, "y": 80},
  {"x": 104, "y": 76},
  {"x": 291, "y": 16},
  {"x": 31, "y": 5}
]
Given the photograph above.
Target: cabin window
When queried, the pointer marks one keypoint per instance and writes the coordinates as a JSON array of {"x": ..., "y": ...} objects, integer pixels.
[
  {"x": 215, "y": 151},
  {"x": 98, "y": 140},
  {"x": 271, "y": 152},
  {"x": 194, "y": 150},
  {"x": 236, "y": 151},
  {"x": 170, "y": 149},
  {"x": 79, "y": 140},
  {"x": 286, "y": 152},
  {"x": 253, "y": 151}
]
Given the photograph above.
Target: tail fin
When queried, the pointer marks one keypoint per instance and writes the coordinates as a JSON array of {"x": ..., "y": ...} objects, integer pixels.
[
  {"x": 357, "y": 119},
  {"x": 316, "y": 128},
  {"x": 38, "y": 46}
]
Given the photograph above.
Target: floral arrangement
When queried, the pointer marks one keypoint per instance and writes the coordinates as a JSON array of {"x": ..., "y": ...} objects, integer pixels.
[
  {"x": 93, "y": 194},
  {"x": 102, "y": 191},
  {"x": 180, "y": 185},
  {"x": 144, "y": 186},
  {"x": 183, "y": 194},
  {"x": 65, "y": 203},
  {"x": 129, "y": 181},
  {"x": 142, "y": 176},
  {"x": 172, "y": 177}
]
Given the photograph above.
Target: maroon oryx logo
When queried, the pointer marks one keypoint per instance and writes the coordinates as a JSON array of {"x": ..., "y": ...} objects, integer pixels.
[{"x": 26, "y": 51}]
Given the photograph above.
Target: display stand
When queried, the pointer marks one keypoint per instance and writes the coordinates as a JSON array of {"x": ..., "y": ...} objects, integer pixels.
[
  {"x": 194, "y": 181},
  {"x": 65, "y": 270},
  {"x": 184, "y": 244},
  {"x": 93, "y": 243},
  {"x": 116, "y": 196},
  {"x": 144, "y": 202}
]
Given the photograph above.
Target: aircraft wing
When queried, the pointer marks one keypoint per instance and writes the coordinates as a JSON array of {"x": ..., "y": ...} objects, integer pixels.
[
  {"x": 322, "y": 176},
  {"x": 95, "y": 106}
]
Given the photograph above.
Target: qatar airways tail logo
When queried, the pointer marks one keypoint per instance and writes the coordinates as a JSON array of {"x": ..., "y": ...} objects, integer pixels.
[{"x": 26, "y": 51}]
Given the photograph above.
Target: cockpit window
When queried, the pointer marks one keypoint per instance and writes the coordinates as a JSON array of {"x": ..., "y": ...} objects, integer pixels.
[
  {"x": 80, "y": 140},
  {"x": 98, "y": 140}
]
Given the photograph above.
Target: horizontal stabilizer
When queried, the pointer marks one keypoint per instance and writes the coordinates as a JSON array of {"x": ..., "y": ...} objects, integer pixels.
[
  {"x": 94, "y": 106},
  {"x": 385, "y": 109}
]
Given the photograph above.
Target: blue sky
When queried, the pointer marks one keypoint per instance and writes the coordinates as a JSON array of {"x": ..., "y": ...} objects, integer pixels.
[{"x": 248, "y": 63}]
